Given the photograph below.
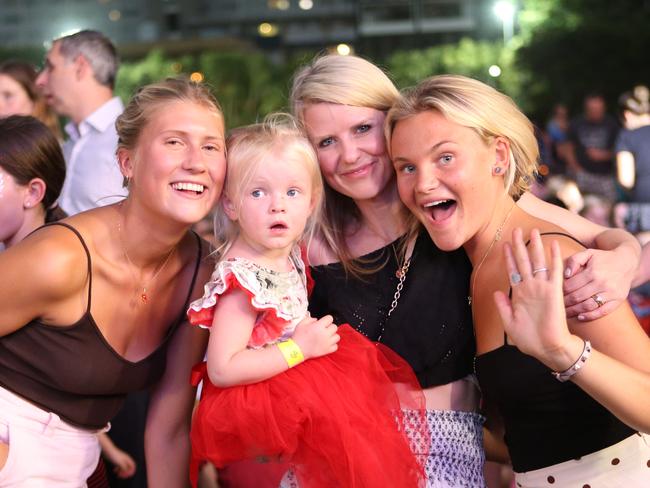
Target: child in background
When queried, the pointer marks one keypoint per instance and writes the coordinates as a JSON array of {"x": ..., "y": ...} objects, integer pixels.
[{"x": 336, "y": 418}]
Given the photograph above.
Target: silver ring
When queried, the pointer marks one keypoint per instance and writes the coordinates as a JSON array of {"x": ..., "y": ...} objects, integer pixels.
[
  {"x": 598, "y": 299},
  {"x": 539, "y": 270},
  {"x": 515, "y": 278}
]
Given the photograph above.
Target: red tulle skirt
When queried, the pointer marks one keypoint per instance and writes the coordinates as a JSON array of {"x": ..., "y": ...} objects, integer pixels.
[{"x": 335, "y": 419}]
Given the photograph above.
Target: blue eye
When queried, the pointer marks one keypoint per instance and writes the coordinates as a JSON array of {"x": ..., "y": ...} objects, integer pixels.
[
  {"x": 364, "y": 128},
  {"x": 256, "y": 193},
  {"x": 407, "y": 169},
  {"x": 292, "y": 192},
  {"x": 446, "y": 158},
  {"x": 326, "y": 142}
]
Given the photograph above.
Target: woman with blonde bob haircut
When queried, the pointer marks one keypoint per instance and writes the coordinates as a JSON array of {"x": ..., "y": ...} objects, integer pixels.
[
  {"x": 378, "y": 271},
  {"x": 463, "y": 152}
]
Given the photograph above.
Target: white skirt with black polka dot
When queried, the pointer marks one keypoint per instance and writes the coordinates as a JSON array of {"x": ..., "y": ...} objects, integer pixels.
[{"x": 623, "y": 465}]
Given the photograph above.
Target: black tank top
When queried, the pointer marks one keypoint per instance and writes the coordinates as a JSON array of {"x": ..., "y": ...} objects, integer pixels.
[
  {"x": 546, "y": 421},
  {"x": 431, "y": 327},
  {"x": 73, "y": 371}
]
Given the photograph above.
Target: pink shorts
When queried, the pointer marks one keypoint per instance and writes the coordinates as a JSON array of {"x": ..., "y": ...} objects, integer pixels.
[{"x": 44, "y": 451}]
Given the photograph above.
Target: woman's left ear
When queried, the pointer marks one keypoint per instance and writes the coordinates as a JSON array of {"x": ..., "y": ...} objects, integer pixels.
[
  {"x": 34, "y": 193},
  {"x": 501, "y": 156}
]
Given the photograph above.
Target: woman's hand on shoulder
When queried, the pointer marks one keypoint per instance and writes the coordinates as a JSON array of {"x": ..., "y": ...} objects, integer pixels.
[
  {"x": 48, "y": 267},
  {"x": 316, "y": 337},
  {"x": 596, "y": 283}
]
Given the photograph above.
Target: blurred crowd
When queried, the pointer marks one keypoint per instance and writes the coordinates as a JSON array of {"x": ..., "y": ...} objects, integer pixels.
[{"x": 597, "y": 163}]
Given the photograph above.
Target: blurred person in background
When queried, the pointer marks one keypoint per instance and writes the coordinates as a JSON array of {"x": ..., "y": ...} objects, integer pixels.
[
  {"x": 77, "y": 82},
  {"x": 557, "y": 131},
  {"x": 633, "y": 144},
  {"x": 32, "y": 171},
  {"x": 590, "y": 148},
  {"x": 19, "y": 95}
]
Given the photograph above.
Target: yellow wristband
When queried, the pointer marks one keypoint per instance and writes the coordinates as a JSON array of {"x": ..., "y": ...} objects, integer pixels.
[{"x": 291, "y": 352}]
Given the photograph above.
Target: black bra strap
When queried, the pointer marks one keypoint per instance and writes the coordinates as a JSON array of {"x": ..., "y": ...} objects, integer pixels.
[
  {"x": 505, "y": 337},
  {"x": 83, "y": 243}
]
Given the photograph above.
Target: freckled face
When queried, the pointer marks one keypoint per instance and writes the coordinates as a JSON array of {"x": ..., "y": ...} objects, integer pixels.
[
  {"x": 444, "y": 177},
  {"x": 349, "y": 142}
]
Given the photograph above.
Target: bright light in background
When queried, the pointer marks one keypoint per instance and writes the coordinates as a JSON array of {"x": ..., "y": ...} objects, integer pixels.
[
  {"x": 196, "y": 77},
  {"x": 494, "y": 71},
  {"x": 343, "y": 49},
  {"x": 505, "y": 10},
  {"x": 69, "y": 32},
  {"x": 306, "y": 4},
  {"x": 114, "y": 15},
  {"x": 266, "y": 29}
]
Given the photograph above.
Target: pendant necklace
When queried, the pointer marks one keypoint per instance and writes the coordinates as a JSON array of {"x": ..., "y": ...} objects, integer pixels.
[
  {"x": 497, "y": 238},
  {"x": 142, "y": 288}
]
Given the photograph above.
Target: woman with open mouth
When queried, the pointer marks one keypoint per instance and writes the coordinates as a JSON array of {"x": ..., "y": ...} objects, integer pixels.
[{"x": 573, "y": 399}]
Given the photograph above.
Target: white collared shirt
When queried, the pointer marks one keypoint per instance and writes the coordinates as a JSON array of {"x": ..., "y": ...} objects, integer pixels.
[{"x": 93, "y": 177}]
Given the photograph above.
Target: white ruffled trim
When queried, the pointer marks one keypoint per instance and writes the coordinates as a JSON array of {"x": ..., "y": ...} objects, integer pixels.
[{"x": 247, "y": 273}]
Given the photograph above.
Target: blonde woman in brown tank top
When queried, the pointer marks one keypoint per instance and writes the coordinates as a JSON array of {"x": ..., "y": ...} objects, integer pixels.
[{"x": 92, "y": 311}]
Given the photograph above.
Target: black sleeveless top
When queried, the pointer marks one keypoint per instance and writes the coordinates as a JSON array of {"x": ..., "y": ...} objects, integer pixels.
[
  {"x": 431, "y": 328},
  {"x": 73, "y": 371},
  {"x": 546, "y": 421}
]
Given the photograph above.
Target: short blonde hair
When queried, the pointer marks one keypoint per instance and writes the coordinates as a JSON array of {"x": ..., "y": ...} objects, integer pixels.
[
  {"x": 247, "y": 148},
  {"x": 475, "y": 105}
]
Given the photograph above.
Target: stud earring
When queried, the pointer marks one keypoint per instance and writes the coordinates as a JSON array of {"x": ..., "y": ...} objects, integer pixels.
[{"x": 497, "y": 170}]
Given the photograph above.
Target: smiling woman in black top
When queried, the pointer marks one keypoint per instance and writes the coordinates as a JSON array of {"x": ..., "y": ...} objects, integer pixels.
[{"x": 463, "y": 152}]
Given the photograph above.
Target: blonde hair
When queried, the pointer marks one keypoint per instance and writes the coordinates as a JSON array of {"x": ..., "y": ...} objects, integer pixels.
[
  {"x": 488, "y": 112},
  {"x": 344, "y": 80},
  {"x": 138, "y": 112},
  {"x": 247, "y": 148}
]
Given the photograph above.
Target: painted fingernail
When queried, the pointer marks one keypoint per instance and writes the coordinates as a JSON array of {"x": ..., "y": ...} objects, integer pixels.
[
  {"x": 581, "y": 317},
  {"x": 567, "y": 273}
]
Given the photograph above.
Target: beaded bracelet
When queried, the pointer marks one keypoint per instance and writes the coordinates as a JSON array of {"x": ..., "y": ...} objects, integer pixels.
[
  {"x": 575, "y": 367},
  {"x": 291, "y": 352}
]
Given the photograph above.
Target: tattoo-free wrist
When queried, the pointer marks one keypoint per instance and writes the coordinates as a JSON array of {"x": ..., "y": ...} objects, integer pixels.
[{"x": 565, "y": 356}]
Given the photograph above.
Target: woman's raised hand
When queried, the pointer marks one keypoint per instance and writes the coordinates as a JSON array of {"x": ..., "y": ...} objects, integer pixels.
[{"x": 534, "y": 317}]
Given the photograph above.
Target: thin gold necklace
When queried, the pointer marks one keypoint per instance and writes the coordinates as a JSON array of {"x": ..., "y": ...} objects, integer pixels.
[
  {"x": 144, "y": 295},
  {"x": 497, "y": 238}
]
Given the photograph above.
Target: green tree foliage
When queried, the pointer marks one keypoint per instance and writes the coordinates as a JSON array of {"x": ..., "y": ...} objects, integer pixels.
[
  {"x": 247, "y": 85},
  {"x": 572, "y": 47},
  {"x": 468, "y": 57}
]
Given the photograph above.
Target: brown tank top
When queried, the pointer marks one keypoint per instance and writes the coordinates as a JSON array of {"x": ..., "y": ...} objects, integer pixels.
[{"x": 73, "y": 371}]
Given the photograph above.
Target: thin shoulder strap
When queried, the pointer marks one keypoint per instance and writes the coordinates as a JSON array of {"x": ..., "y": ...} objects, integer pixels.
[
  {"x": 563, "y": 234},
  {"x": 197, "y": 264},
  {"x": 83, "y": 243}
]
